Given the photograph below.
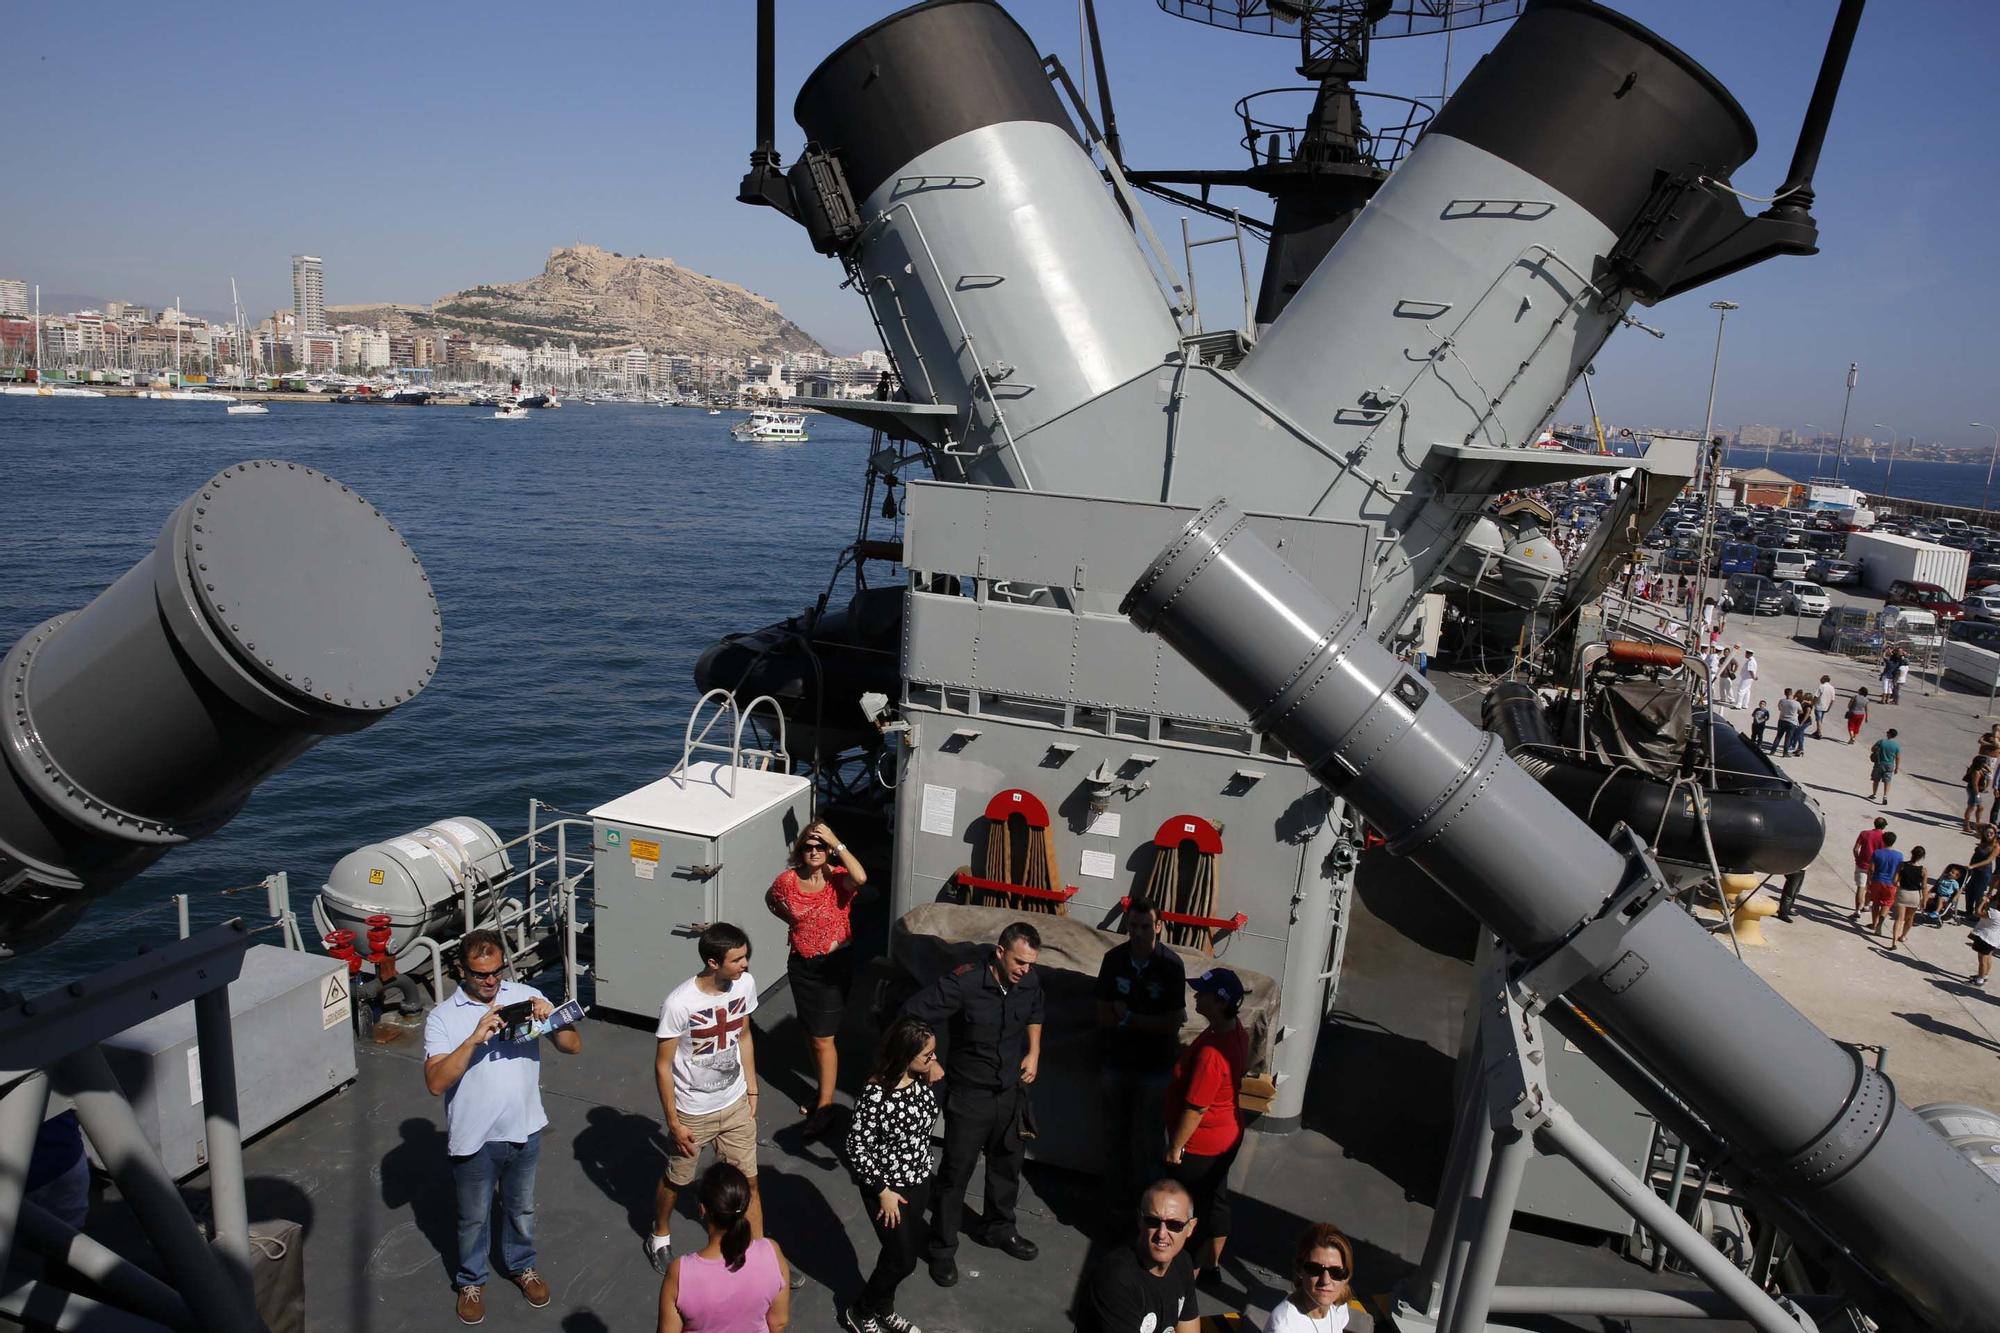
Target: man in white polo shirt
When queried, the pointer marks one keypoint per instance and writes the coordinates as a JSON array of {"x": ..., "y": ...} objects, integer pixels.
[{"x": 492, "y": 1089}]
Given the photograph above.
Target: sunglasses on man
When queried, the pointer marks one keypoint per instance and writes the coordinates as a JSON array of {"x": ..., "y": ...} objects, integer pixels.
[{"x": 1173, "y": 1225}]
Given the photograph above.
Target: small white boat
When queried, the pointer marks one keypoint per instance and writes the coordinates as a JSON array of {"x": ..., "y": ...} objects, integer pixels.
[
  {"x": 715, "y": 411},
  {"x": 188, "y": 396},
  {"x": 247, "y": 410},
  {"x": 511, "y": 412},
  {"x": 769, "y": 426},
  {"x": 46, "y": 391}
]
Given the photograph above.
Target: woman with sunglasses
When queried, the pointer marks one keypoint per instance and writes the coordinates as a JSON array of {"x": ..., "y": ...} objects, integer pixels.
[
  {"x": 1322, "y": 1281},
  {"x": 889, "y": 1148},
  {"x": 814, "y": 896}
]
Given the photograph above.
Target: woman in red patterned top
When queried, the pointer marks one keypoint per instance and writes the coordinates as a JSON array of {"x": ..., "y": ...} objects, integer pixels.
[{"x": 814, "y": 897}]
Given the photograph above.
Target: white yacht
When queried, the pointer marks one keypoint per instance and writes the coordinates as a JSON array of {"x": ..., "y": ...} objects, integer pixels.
[{"x": 767, "y": 425}]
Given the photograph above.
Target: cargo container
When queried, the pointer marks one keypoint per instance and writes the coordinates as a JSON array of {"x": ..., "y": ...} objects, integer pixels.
[{"x": 1885, "y": 557}]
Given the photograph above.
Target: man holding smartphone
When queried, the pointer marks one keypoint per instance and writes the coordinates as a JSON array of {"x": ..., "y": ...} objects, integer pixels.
[{"x": 492, "y": 1090}]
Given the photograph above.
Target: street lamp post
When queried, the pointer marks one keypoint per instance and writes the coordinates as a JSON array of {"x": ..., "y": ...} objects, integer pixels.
[
  {"x": 1722, "y": 309},
  {"x": 1882, "y": 425},
  {"x": 1840, "y": 449},
  {"x": 1711, "y": 455},
  {"x": 1986, "y": 500}
]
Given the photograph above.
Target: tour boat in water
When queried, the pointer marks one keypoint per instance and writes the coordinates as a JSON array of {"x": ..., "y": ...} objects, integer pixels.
[{"x": 767, "y": 425}]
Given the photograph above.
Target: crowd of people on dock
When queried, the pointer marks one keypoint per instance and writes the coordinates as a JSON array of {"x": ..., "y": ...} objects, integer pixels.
[
  {"x": 1895, "y": 885},
  {"x": 967, "y": 1047}
]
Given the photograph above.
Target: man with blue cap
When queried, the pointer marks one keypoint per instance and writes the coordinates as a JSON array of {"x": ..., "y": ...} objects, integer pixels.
[{"x": 1205, "y": 1128}]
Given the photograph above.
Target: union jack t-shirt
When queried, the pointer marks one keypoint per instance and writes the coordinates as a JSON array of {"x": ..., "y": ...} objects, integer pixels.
[{"x": 708, "y": 1033}]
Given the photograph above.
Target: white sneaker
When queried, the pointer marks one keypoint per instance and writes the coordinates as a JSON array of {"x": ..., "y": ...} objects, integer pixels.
[{"x": 660, "y": 1253}]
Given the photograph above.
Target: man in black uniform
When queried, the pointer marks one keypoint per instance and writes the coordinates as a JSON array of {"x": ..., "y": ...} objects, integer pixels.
[
  {"x": 1146, "y": 1286},
  {"x": 1141, "y": 1004},
  {"x": 988, "y": 1017}
]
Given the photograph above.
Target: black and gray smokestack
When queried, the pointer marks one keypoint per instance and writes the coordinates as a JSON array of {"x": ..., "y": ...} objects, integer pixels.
[
  {"x": 1804, "y": 1114},
  {"x": 277, "y": 607}
]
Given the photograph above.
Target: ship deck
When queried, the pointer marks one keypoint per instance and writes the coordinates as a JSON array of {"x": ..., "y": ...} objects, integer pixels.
[{"x": 365, "y": 1171}]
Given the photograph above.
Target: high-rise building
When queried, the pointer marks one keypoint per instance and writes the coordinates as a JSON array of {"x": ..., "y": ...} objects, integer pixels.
[
  {"x": 309, "y": 301},
  {"x": 13, "y": 296}
]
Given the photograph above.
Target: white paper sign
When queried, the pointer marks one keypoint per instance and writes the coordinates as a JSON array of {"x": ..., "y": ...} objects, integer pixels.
[
  {"x": 1100, "y": 865},
  {"x": 194, "y": 1075},
  {"x": 940, "y": 810},
  {"x": 334, "y": 1005},
  {"x": 644, "y": 869},
  {"x": 1106, "y": 825}
]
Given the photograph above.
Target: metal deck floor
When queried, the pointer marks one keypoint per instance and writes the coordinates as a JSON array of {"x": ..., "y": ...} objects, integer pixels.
[{"x": 365, "y": 1170}]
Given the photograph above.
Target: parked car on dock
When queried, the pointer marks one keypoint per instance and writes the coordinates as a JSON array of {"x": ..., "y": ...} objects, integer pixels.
[
  {"x": 1914, "y": 627},
  {"x": 1931, "y": 597},
  {"x": 1983, "y": 605},
  {"x": 1835, "y": 572},
  {"x": 1979, "y": 633},
  {"x": 1753, "y": 595},
  {"x": 1805, "y": 599},
  {"x": 1845, "y": 628}
]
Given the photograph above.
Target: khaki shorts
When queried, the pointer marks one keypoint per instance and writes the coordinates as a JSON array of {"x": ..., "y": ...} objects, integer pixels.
[{"x": 733, "y": 1131}]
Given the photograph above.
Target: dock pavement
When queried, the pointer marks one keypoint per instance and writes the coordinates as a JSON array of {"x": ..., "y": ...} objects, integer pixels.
[{"x": 1941, "y": 1035}]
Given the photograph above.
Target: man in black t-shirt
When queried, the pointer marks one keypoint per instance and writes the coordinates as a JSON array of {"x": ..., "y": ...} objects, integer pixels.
[
  {"x": 1141, "y": 1004},
  {"x": 1146, "y": 1286}
]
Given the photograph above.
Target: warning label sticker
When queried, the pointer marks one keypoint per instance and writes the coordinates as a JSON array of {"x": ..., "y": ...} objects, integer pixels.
[
  {"x": 645, "y": 869},
  {"x": 334, "y": 1005},
  {"x": 375, "y": 877},
  {"x": 644, "y": 850}
]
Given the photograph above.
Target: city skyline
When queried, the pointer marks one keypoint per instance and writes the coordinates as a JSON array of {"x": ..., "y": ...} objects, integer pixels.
[{"x": 642, "y": 149}]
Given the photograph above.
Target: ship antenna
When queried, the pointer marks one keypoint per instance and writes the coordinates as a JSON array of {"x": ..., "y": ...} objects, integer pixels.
[
  {"x": 1795, "y": 198},
  {"x": 765, "y": 183}
]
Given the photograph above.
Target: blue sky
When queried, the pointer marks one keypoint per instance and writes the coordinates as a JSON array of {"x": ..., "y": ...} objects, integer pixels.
[{"x": 424, "y": 148}]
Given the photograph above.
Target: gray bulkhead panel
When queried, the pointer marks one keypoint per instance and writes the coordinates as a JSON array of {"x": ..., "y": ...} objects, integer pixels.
[{"x": 1041, "y": 695}]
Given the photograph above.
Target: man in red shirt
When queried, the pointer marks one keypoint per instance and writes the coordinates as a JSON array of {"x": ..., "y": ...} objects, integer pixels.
[
  {"x": 1204, "y": 1127},
  {"x": 1865, "y": 847}
]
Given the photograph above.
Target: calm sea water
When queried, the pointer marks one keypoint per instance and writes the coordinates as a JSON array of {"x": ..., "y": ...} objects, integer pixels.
[
  {"x": 583, "y": 559},
  {"x": 1912, "y": 479}
]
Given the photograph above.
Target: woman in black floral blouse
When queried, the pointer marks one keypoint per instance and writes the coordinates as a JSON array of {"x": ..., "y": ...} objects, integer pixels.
[{"x": 889, "y": 1149}]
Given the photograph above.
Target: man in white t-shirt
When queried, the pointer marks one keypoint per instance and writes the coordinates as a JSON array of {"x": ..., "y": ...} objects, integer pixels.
[
  {"x": 706, "y": 1066},
  {"x": 1823, "y": 699}
]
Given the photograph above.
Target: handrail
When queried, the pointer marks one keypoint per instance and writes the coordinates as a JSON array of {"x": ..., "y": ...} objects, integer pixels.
[
  {"x": 981, "y": 376},
  {"x": 781, "y": 756},
  {"x": 691, "y": 742}
]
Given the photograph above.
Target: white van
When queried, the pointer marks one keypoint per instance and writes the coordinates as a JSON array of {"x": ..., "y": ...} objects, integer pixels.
[
  {"x": 1791, "y": 563},
  {"x": 1910, "y": 624}
]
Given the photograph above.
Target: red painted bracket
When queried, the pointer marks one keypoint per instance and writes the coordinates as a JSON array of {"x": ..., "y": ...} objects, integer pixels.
[
  {"x": 1016, "y": 801},
  {"x": 1189, "y": 828},
  {"x": 1215, "y": 923},
  {"x": 972, "y": 881}
]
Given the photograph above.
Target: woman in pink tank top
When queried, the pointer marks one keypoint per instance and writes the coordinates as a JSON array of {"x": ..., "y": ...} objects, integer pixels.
[{"x": 733, "y": 1284}]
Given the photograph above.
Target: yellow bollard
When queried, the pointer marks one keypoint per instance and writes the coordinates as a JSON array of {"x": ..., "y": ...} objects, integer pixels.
[{"x": 1748, "y": 912}]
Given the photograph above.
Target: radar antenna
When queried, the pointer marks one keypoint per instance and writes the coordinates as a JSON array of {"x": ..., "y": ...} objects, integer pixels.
[{"x": 1319, "y": 168}]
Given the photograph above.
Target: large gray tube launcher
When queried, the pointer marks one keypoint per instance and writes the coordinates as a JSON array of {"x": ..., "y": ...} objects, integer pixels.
[
  {"x": 1807, "y": 1118},
  {"x": 277, "y": 607}
]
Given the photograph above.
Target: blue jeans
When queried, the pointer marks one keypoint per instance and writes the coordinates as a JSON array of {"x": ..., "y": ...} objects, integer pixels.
[{"x": 510, "y": 1166}]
